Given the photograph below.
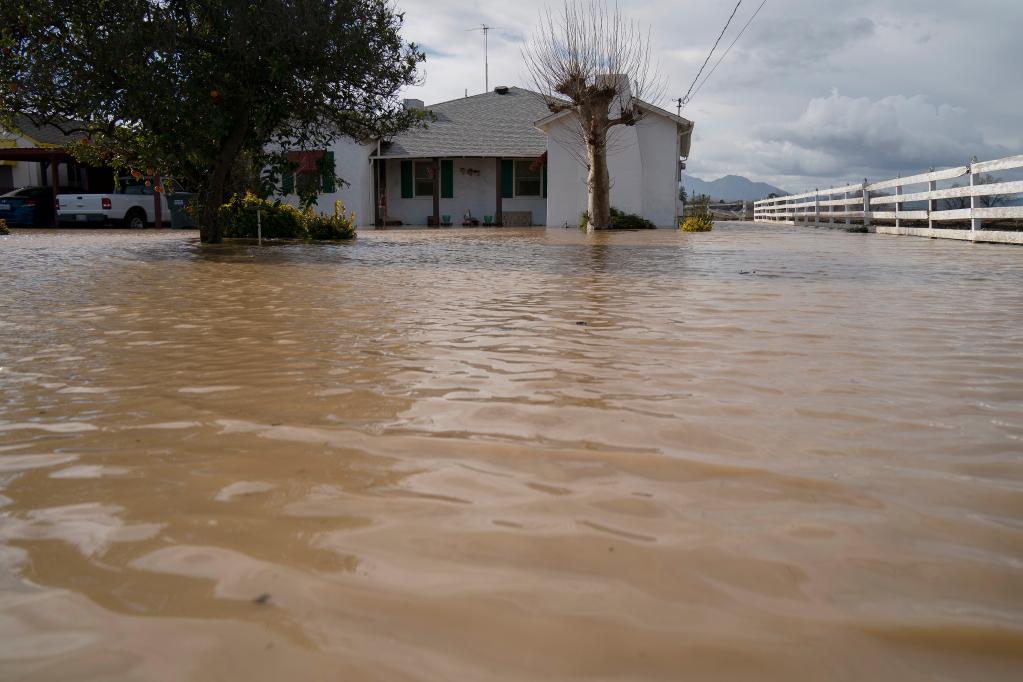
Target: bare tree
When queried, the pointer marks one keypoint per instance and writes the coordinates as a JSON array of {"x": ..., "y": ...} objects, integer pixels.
[{"x": 590, "y": 61}]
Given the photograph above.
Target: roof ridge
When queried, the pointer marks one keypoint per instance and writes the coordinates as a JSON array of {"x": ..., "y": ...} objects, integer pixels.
[{"x": 481, "y": 94}]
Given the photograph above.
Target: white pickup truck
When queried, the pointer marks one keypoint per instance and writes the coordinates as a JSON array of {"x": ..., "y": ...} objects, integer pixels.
[{"x": 131, "y": 204}]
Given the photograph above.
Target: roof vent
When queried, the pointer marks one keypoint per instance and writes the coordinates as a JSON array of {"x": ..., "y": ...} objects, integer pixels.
[{"x": 501, "y": 89}]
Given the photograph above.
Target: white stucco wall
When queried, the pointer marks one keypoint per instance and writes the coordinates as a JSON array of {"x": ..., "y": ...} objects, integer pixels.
[
  {"x": 475, "y": 193},
  {"x": 642, "y": 162},
  {"x": 658, "y": 148},
  {"x": 29, "y": 173},
  {"x": 352, "y": 164}
]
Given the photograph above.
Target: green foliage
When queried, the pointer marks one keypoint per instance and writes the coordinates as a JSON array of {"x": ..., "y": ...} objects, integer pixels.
[
  {"x": 330, "y": 228},
  {"x": 629, "y": 221},
  {"x": 199, "y": 91},
  {"x": 619, "y": 221},
  {"x": 281, "y": 221},
  {"x": 697, "y": 223},
  {"x": 3, "y": 227},
  {"x": 700, "y": 218}
]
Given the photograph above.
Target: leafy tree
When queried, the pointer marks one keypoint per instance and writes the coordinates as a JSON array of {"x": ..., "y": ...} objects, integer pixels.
[{"x": 207, "y": 92}]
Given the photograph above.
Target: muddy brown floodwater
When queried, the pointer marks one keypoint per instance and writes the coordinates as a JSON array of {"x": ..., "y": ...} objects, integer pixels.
[{"x": 760, "y": 453}]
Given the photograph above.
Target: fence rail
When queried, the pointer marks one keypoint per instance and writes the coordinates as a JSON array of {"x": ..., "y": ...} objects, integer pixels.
[
  {"x": 736, "y": 210},
  {"x": 866, "y": 203}
]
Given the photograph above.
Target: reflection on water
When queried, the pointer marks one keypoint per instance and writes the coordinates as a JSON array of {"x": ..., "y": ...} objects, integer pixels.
[{"x": 511, "y": 455}]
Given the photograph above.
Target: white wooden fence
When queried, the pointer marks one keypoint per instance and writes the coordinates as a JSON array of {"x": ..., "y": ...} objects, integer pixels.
[{"x": 866, "y": 203}]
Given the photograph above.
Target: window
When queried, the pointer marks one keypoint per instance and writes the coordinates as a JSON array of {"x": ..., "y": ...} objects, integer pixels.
[
  {"x": 528, "y": 181},
  {"x": 310, "y": 171},
  {"x": 424, "y": 178}
]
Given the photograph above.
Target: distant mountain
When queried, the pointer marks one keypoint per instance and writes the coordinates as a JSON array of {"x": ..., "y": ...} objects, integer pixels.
[{"x": 730, "y": 188}]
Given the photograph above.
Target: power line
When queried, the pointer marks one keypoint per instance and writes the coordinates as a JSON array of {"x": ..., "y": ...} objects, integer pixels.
[
  {"x": 685, "y": 99},
  {"x": 718, "y": 63}
]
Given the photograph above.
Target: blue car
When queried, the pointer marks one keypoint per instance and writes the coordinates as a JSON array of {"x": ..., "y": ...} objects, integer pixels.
[{"x": 29, "y": 205}]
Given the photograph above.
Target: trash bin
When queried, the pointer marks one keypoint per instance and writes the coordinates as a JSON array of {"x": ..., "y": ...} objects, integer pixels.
[{"x": 179, "y": 216}]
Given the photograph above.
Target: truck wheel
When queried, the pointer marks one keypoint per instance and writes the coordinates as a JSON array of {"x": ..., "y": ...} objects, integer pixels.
[{"x": 135, "y": 219}]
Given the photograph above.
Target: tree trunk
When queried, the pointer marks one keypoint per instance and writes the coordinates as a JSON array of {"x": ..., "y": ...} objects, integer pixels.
[
  {"x": 598, "y": 183},
  {"x": 209, "y": 228}
]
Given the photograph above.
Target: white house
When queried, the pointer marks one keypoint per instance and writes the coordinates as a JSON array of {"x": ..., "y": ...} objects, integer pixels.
[{"x": 501, "y": 158}]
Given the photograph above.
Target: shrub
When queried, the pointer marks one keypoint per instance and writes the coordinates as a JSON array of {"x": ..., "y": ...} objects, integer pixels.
[
  {"x": 335, "y": 227},
  {"x": 629, "y": 221},
  {"x": 619, "y": 221},
  {"x": 697, "y": 223},
  {"x": 700, "y": 219},
  {"x": 3, "y": 227},
  {"x": 279, "y": 221}
]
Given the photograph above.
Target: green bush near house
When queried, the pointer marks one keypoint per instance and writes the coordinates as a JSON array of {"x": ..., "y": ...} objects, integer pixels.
[
  {"x": 238, "y": 219},
  {"x": 3, "y": 227},
  {"x": 278, "y": 220},
  {"x": 335, "y": 227},
  {"x": 629, "y": 221},
  {"x": 697, "y": 223},
  {"x": 620, "y": 221}
]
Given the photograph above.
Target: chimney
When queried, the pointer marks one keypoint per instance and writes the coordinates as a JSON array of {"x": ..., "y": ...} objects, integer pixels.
[
  {"x": 619, "y": 80},
  {"x": 411, "y": 104}
]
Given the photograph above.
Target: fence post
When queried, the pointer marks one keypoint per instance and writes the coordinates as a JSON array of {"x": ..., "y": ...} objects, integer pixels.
[
  {"x": 866, "y": 204},
  {"x": 974, "y": 222},
  {"x": 898, "y": 204},
  {"x": 932, "y": 204}
]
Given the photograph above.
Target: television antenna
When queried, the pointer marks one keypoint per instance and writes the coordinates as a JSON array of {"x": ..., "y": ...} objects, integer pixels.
[{"x": 486, "y": 53}]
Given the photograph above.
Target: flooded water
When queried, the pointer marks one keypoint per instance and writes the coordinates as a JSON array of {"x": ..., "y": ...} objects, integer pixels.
[{"x": 759, "y": 453}]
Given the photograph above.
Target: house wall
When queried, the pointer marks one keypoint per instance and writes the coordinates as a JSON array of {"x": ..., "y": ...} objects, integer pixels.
[
  {"x": 352, "y": 164},
  {"x": 30, "y": 173},
  {"x": 472, "y": 193},
  {"x": 642, "y": 162},
  {"x": 658, "y": 147}
]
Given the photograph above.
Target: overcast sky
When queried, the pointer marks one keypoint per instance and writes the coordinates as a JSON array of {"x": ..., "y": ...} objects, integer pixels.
[{"x": 817, "y": 92}]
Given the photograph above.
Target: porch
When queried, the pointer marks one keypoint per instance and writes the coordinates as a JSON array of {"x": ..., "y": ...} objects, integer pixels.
[{"x": 469, "y": 191}]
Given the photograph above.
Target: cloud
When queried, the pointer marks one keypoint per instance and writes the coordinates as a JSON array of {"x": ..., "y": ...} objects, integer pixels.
[
  {"x": 922, "y": 82},
  {"x": 836, "y": 134}
]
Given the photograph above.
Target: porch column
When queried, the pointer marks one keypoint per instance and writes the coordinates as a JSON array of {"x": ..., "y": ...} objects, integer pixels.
[
  {"x": 376, "y": 193},
  {"x": 500, "y": 182},
  {"x": 55, "y": 177},
  {"x": 157, "y": 204},
  {"x": 436, "y": 192}
]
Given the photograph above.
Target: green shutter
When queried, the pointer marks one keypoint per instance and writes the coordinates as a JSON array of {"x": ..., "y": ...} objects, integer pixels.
[
  {"x": 287, "y": 183},
  {"x": 545, "y": 181},
  {"x": 407, "y": 182},
  {"x": 507, "y": 178},
  {"x": 327, "y": 173},
  {"x": 447, "y": 179}
]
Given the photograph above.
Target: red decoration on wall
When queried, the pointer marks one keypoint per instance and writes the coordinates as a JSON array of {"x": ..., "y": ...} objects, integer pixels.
[{"x": 305, "y": 160}]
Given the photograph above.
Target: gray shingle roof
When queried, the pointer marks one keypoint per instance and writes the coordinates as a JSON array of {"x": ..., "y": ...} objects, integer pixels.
[
  {"x": 48, "y": 133},
  {"x": 482, "y": 125}
]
